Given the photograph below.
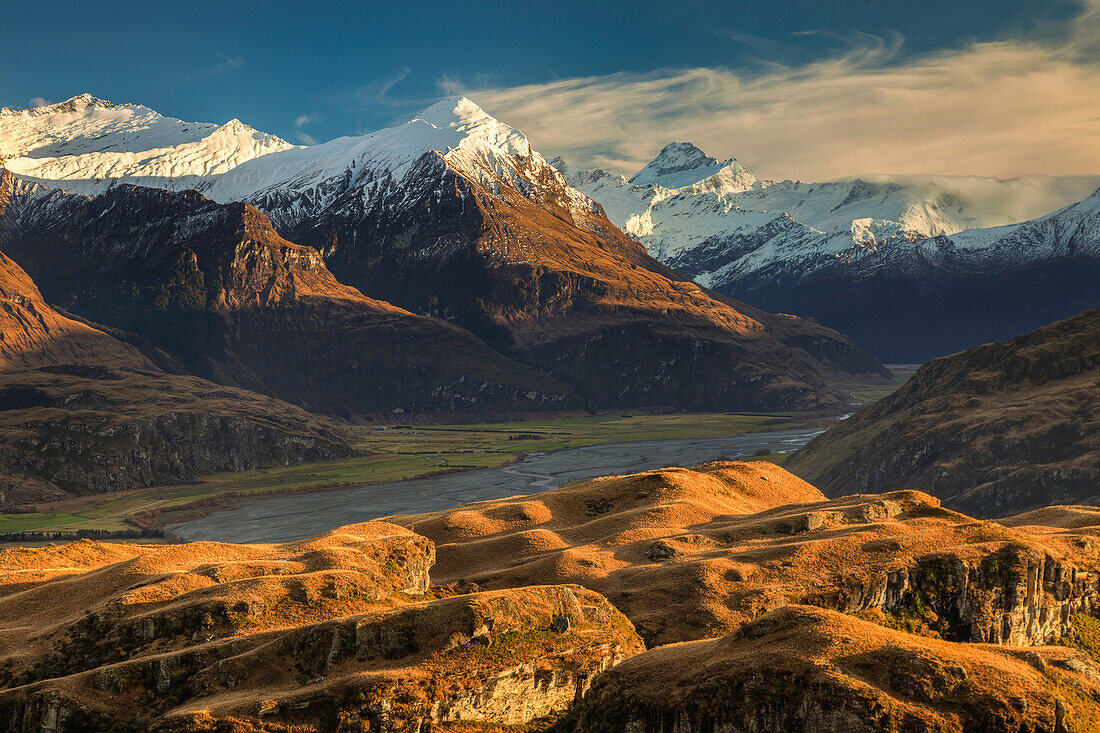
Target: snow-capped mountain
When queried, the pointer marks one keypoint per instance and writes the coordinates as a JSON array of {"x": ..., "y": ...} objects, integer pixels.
[
  {"x": 839, "y": 251},
  {"x": 91, "y": 144},
  {"x": 709, "y": 219},
  {"x": 681, "y": 165},
  {"x": 910, "y": 301},
  {"x": 87, "y": 145},
  {"x": 454, "y": 214}
]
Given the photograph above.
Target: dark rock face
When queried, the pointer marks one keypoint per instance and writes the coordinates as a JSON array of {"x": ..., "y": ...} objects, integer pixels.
[
  {"x": 993, "y": 430},
  {"x": 922, "y": 314},
  {"x": 216, "y": 287},
  {"x": 82, "y": 412},
  {"x": 90, "y": 453}
]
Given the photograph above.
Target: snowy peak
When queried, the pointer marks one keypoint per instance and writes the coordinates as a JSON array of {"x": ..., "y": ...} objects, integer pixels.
[
  {"x": 454, "y": 112},
  {"x": 1091, "y": 204},
  {"x": 85, "y": 140},
  {"x": 462, "y": 116},
  {"x": 681, "y": 166},
  {"x": 75, "y": 104},
  {"x": 87, "y": 145},
  {"x": 676, "y": 166}
]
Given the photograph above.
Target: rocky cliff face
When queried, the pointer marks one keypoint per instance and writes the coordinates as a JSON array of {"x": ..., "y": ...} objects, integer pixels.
[
  {"x": 1014, "y": 596},
  {"x": 337, "y": 633},
  {"x": 992, "y": 430},
  {"x": 215, "y": 286}
]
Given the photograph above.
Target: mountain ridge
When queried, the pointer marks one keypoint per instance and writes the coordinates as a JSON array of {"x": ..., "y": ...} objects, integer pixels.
[
  {"x": 214, "y": 285},
  {"x": 454, "y": 214},
  {"x": 916, "y": 250}
]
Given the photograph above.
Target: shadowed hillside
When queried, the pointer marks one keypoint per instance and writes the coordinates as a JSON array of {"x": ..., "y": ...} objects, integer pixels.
[
  {"x": 216, "y": 287},
  {"x": 82, "y": 412},
  {"x": 991, "y": 430}
]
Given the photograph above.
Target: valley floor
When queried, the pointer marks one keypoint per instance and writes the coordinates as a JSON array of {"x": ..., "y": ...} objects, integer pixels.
[{"x": 387, "y": 455}]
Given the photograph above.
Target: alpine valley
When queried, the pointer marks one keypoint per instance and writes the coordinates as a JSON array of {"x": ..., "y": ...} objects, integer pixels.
[{"x": 194, "y": 317}]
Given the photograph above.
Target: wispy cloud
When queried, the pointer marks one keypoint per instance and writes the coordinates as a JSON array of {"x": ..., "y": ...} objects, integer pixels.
[
  {"x": 377, "y": 92},
  {"x": 39, "y": 102},
  {"x": 303, "y": 120},
  {"x": 1001, "y": 108},
  {"x": 228, "y": 63}
]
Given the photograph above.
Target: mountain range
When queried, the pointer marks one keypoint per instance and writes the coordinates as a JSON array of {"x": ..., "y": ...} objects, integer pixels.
[
  {"x": 943, "y": 262},
  {"x": 216, "y": 287},
  {"x": 179, "y": 299},
  {"x": 451, "y": 217}
]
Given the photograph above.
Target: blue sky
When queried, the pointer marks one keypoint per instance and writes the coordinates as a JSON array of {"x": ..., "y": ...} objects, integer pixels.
[{"x": 337, "y": 68}]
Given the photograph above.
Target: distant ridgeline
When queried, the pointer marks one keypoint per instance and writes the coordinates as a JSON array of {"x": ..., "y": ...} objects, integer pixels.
[
  {"x": 910, "y": 267},
  {"x": 993, "y": 430}
]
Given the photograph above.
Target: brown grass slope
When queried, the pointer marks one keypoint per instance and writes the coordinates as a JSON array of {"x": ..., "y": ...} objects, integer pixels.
[
  {"x": 992, "y": 431},
  {"x": 808, "y": 669},
  {"x": 339, "y": 632},
  {"x": 82, "y": 412},
  {"x": 215, "y": 286},
  {"x": 791, "y": 612},
  {"x": 36, "y": 335},
  {"x": 691, "y": 553}
]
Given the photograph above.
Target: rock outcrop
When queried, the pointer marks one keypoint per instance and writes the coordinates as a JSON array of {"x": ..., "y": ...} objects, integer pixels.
[
  {"x": 1018, "y": 595},
  {"x": 992, "y": 431}
]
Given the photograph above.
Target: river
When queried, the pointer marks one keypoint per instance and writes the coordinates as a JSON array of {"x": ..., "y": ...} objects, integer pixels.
[{"x": 286, "y": 517}]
